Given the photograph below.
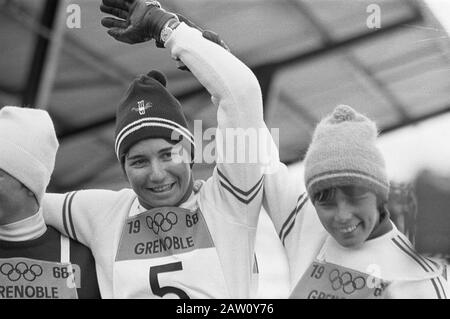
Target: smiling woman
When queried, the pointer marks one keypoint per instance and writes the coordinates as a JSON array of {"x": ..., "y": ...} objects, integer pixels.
[
  {"x": 154, "y": 144},
  {"x": 156, "y": 175},
  {"x": 355, "y": 251},
  {"x": 350, "y": 214},
  {"x": 162, "y": 238}
]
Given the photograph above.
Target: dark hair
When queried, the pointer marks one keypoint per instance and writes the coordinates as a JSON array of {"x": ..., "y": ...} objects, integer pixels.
[
  {"x": 323, "y": 195},
  {"x": 329, "y": 193}
]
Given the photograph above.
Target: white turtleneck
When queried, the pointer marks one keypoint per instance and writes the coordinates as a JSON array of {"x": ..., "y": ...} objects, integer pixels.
[{"x": 26, "y": 229}]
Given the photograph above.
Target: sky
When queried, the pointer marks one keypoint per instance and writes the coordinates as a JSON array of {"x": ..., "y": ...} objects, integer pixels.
[
  {"x": 426, "y": 145},
  {"x": 441, "y": 9}
]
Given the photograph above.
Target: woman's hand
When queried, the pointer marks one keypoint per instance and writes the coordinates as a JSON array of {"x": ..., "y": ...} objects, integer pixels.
[{"x": 134, "y": 21}]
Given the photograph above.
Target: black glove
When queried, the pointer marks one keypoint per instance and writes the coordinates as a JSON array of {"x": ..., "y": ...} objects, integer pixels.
[{"x": 139, "y": 20}]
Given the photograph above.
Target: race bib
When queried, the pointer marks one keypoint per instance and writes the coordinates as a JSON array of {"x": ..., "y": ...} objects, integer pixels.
[
  {"x": 163, "y": 232},
  {"x": 324, "y": 280},
  {"x": 168, "y": 252},
  {"x": 23, "y": 278}
]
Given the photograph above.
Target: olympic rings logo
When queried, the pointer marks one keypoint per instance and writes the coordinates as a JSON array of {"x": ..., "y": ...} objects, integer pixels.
[
  {"x": 346, "y": 281},
  {"x": 161, "y": 222},
  {"x": 14, "y": 273}
]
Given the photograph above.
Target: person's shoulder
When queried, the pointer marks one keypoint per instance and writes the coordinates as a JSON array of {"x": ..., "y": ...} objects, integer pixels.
[
  {"x": 51, "y": 233},
  {"x": 408, "y": 262},
  {"x": 80, "y": 254},
  {"x": 78, "y": 247},
  {"x": 103, "y": 192},
  {"x": 87, "y": 194},
  {"x": 426, "y": 288},
  {"x": 102, "y": 197}
]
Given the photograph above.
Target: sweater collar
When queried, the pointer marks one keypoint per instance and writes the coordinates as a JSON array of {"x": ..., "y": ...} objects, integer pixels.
[
  {"x": 26, "y": 229},
  {"x": 384, "y": 225}
]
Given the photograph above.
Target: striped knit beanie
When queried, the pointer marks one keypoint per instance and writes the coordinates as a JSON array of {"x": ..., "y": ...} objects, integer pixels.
[
  {"x": 149, "y": 110},
  {"x": 343, "y": 152},
  {"x": 28, "y": 147}
]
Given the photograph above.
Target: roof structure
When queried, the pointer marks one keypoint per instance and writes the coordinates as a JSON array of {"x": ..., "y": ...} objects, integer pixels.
[{"x": 308, "y": 55}]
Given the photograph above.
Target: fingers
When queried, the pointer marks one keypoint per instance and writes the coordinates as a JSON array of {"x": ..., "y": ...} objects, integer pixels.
[
  {"x": 117, "y": 34},
  {"x": 109, "y": 22},
  {"x": 119, "y": 4},
  {"x": 119, "y": 13},
  {"x": 121, "y": 35}
]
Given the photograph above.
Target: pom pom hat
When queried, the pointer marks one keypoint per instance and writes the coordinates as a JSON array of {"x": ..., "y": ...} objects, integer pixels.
[
  {"x": 28, "y": 147},
  {"x": 149, "y": 110},
  {"x": 343, "y": 152}
]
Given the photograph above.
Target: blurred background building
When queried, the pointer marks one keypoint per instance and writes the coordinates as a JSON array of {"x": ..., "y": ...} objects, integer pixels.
[{"x": 389, "y": 59}]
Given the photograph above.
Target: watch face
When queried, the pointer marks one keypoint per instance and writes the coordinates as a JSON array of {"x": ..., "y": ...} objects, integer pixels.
[
  {"x": 153, "y": 3},
  {"x": 165, "y": 34}
]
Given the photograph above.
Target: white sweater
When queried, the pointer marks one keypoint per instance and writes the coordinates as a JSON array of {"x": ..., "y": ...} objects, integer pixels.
[{"x": 389, "y": 257}]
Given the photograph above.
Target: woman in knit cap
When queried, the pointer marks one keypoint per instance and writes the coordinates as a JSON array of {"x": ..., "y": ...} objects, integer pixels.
[
  {"x": 355, "y": 251},
  {"x": 36, "y": 261},
  {"x": 161, "y": 239}
]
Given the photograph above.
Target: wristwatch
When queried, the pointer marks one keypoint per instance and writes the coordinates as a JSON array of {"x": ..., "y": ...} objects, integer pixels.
[
  {"x": 167, "y": 30},
  {"x": 153, "y": 3}
]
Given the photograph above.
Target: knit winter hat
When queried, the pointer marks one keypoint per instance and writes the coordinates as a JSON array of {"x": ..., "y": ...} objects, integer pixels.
[
  {"x": 28, "y": 146},
  {"x": 149, "y": 110},
  {"x": 343, "y": 152}
]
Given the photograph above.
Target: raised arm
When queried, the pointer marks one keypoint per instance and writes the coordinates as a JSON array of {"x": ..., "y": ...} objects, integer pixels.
[
  {"x": 243, "y": 142},
  {"x": 238, "y": 176}
]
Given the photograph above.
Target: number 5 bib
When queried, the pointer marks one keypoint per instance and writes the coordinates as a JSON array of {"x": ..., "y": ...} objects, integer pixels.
[{"x": 168, "y": 252}]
